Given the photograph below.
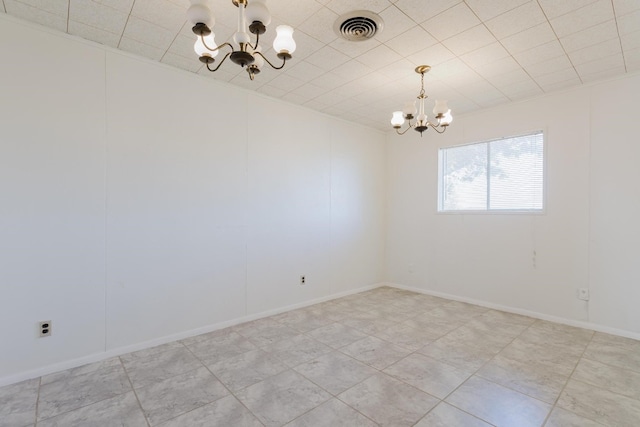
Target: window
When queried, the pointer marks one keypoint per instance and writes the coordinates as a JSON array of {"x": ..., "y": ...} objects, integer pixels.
[{"x": 504, "y": 174}]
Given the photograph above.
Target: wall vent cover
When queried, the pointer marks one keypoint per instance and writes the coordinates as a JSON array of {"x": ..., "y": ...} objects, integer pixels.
[{"x": 358, "y": 25}]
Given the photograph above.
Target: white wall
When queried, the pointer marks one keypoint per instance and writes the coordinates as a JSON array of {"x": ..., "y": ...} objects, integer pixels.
[
  {"x": 140, "y": 202},
  {"x": 588, "y": 236}
]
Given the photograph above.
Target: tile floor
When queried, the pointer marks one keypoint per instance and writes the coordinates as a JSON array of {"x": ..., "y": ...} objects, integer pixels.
[{"x": 384, "y": 357}]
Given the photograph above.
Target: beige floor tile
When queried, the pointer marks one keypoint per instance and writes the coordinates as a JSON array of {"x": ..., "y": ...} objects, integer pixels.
[
  {"x": 18, "y": 403},
  {"x": 119, "y": 411},
  {"x": 389, "y": 402},
  {"x": 337, "y": 335},
  {"x": 616, "y": 351},
  {"x": 247, "y": 369},
  {"x": 333, "y": 413},
  {"x": 264, "y": 332},
  {"x": 407, "y": 336},
  {"x": 531, "y": 379},
  {"x": 429, "y": 375},
  {"x": 81, "y": 390},
  {"x": 282, "y": 398},
  {"x": 479, "y": 338},
  {"x": 149, "y": 368},
  {"x": 458, "y": 354},
  {"x": 562, "y": 418},
  {"x": 335, "y": 372},
  {"x": 560, "y": 360},
  {"x": 375, "y": 352},
  {"x": 297, "y": 350},
  {"x": 543, "y": 332},
  {"x": 599, "y": 405},
  {"x": 167, "y": 399},
  {"x": 218, "y": 346},
  {"x": 445, "y": 415},
  {"x": 85, "y": 369},
  {"x": 612, "y": 378},
  {"x": 303, "y": 320},
  {"x": 227, "y": 411},
  {"x": 498, "y": 405}
]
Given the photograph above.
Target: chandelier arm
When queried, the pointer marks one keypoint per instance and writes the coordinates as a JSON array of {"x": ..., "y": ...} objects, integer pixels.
[
  {"x": 284, "y": 61},
  {"x": 406, "y": 130},
  {"x": 434, "y": 127},
  {"x": 213, "y": 49},
  {"x": 257, "y": 41},
  {"x": 221, "y": 62}
]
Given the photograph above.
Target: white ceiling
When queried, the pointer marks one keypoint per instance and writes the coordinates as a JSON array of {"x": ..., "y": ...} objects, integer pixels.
[{"x": 482, "y": 52}]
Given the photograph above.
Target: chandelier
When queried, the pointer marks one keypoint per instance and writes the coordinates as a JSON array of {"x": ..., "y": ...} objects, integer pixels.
[
  {"x": 242, "y": 52},
  {"x": 441, "y": 111}
]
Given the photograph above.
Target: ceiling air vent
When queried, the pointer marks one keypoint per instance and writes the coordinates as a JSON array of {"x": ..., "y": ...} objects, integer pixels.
[{"x": 358, "y": 25}]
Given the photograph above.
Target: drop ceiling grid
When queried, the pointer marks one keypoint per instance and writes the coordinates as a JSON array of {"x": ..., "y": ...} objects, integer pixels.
[{"x": 483, "y": 53}]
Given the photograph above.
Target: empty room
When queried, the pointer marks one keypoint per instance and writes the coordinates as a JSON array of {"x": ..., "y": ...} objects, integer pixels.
[{"x": 319, "y": 213}]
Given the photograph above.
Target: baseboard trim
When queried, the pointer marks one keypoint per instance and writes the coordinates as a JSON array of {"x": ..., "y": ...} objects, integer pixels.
[
  {"x": 97, "y": 357},
  {"x": 542, "y": 316}
]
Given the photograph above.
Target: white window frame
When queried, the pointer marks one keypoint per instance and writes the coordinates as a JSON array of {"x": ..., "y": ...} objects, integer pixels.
[{"x": 542, "y": 211}]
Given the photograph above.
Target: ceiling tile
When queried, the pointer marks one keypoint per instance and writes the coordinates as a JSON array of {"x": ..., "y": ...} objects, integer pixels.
[
  {"x": 539, "y": 54},
  {"x": 585, "y": 38},
  {"x": 433, "y": 55},
  {"x": 395, "y": 23},
  {"x": 379, "y": 57},
  {"x": 304, "y": 70},
  {"x": 57, "y": 7},
  {"x": 38, "y": 16},
  {"x": 498, "y": 67},
  {"x": 97, "y": 15},
  {"x": 320, "y": 25},
  {"x": 354, "y": 49},
  {"x": 398, "y": 70},
  {"x": 330, "y": 80},
  {"x": 490, "y": 9},
  {"x": 286, "y": 82},
  {"x": 529, "y": 38},
  {"x": 565, "y": 84},
  {"x": 604, "y": 74},
  {"x": 163, "y": 13},
  {"x": 557, "y": 64},
  {"x": 95, "y": 34},
  {"x": 632, "y": 60},
  {"x": 148, "y": 33},
  {"x": 411, "y": 41},
  {"x": 501, "y": 81},
  {"x": 629, "y": 23},
  {"x": 224, "y": 75},
  {"x": 622, "y": 7},
  {"x": 630, "y": 41},
  {"x": 596, "y": 52},
  {"x": 179, "y": 61},
  {"x": 122, "y": 5},
  {"x": 485, "y": 55},
  {"x": 290, "y": 11},
  {"x": 327, "y": 58},
  {"x": 516, "y": 20},
  {"x": 309, "y": 91},
  {"x": 451, "y": 22},
  {"x": 470, "y": 40},
  {"x": 545, "y": 80},
  {"x": 351, "y": 70},
  {"x": 134, "y": 46},
  {"x": 420, "y": 11},
  {"x": 555, "y": 8},
  {"x": 585, "y": 17},
  {"x": 306, "y": 45},
  {"x": 294, "y": 98},
  {"x": 340, "y": 6},
  {"x": 183, "y": 46},
  {"x": 521, "y": 90},
  {"x": 602, "y": 66}
]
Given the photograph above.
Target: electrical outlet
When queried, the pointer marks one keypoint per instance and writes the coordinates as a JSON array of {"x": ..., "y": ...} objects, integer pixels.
[
  {"x": 45, "y": 328},
  {"x": 303, "y": 280},
  {"x": 583, "y": 294}
]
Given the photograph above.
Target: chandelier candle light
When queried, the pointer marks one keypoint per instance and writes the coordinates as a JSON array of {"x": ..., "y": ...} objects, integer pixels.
[
  {"x": 243, "y": 53},
  {"x": 441, "y": 111}
]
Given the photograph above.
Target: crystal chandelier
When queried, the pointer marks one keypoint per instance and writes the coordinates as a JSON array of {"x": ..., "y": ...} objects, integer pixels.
[
  {"x": 441, "y": 111},
  {"x": 243, "y": 53}
]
